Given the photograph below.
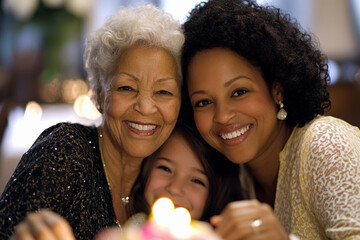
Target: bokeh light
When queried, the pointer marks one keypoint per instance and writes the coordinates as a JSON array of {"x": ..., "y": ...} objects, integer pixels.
[
  {"x": 180, "y": 223},
  {"x": 49, "y": 92},
  {"x": 84, "y": 107},
  {"x": 162, "y": 211},
  {"x": 73, "y": 88},
  {"x": 33, "y": 112}
]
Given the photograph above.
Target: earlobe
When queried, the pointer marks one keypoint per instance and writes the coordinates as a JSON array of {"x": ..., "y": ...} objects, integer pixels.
[
  {"x": 278, "y": 94},
  {"x": 277, "y": 91}
]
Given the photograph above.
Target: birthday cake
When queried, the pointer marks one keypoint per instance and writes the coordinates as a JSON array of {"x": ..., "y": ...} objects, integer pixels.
[
  {"x": 170, "y": 223},
  {"x": 164, "y": 223},
  {"x": 150, "y": 231}
]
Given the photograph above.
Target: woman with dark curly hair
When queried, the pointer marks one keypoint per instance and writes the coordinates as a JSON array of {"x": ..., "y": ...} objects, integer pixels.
[{"x": 256, "y": 89}]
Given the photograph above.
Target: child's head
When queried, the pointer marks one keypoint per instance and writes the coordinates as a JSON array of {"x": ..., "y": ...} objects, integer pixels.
[{"x": 188, "y": 171}]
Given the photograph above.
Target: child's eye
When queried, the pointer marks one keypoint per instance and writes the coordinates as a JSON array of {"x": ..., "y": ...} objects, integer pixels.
[
  {"x": 198, "y": 181},
  {"x": 202, "y": 103},
  {"x": 125, "y": 88},
  {"x": 166, "y": 169},
  {"x": 239, "y": 92}
]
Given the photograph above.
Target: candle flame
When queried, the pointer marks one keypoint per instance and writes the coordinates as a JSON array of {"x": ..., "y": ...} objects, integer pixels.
[
  {"x": 180, "y": 224},
  {"x": 162, "y": 211},
  {"x": 177, "y": 220}
]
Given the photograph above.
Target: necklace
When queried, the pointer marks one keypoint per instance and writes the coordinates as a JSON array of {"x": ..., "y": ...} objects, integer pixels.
[{"x": 125, "y": 200}]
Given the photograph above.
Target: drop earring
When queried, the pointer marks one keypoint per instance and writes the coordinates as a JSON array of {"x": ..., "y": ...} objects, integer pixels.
[{"x": 282, "y": 114}]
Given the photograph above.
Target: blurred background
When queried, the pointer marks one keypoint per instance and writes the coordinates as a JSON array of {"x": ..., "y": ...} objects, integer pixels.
[{"x": 42, "y": 80}]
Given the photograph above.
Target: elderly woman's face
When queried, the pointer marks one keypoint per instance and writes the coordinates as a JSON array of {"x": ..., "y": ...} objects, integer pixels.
[{"x": 143, "y": 101}]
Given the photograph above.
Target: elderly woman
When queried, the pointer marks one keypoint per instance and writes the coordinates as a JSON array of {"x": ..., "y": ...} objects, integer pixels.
[{"x": 85, "y": 173}]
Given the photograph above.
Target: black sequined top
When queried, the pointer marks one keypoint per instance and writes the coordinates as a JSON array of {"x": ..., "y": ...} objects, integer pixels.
[{"x": 62, "y": 171}]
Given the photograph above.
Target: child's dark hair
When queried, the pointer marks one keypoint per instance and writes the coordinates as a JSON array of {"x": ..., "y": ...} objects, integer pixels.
[{"x": 224, "y": 184}]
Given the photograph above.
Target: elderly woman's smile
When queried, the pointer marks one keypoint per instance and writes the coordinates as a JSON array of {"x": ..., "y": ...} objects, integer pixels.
[{"x": 141, "y": 128}]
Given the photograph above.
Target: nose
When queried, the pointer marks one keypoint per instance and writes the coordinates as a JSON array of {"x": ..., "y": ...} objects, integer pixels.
[
  {"x": 175, "y": 187},
  {"x": 145, "y": 104},
  {"x": 223, "y": 112}
]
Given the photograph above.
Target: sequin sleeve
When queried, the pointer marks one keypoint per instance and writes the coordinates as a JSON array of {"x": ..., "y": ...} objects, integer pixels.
[{"x": 58, "y": 173}]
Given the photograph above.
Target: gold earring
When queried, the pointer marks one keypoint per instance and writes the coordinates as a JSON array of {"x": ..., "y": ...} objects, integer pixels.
[{"x": 282, "y": 114}]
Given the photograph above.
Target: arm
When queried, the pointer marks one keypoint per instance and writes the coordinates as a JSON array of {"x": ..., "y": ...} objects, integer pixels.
[
  {"x": 334, "y": 164},
  {"x": 41, "y": 180}
]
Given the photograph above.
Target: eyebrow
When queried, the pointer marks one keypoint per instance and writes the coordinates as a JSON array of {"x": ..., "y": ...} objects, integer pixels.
[
  {"x": 171, "y": 161},
  {"x": 137, "y": 79},
  {"x": 228, "y": 83}
]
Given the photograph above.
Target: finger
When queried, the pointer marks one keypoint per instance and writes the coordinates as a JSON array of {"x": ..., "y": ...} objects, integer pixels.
[
  {"x": 22, "y": 232},
  {"x": 247, "y": 207},
  {"x": 230, "y": 230},
  {"x": 38, "y": 228},
  {"x": 269, "y": 228},
  {"x": 59, "y": 227},
  {"x": 237, "y": 219},
  {"x": 234, "y": 219},
  {"x": 215, "y": 220}
]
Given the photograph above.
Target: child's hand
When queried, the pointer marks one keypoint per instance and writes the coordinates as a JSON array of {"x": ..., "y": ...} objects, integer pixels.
[
  {"x": 43, "y": 225},
  {"x": 248, "y": 219}
]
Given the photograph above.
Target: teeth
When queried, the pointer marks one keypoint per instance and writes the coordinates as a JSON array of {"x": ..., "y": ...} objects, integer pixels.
[
  {"x": 235, "y": 133},
  {"x": 141, "y": 127}
]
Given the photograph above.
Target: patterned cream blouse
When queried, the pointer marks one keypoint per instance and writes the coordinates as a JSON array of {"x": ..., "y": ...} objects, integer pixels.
[{"x": 318, "y": 189}]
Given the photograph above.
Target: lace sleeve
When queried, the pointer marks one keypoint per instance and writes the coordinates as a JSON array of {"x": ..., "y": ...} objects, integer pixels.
[{"x": 334, "y": 166}]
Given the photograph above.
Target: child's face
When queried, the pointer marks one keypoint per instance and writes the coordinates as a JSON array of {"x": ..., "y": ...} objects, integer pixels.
[{"x": 178, "y": 174}]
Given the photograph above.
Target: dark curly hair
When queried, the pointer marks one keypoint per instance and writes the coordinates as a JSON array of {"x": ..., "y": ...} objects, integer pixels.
[{"x": 269, "y": 39}]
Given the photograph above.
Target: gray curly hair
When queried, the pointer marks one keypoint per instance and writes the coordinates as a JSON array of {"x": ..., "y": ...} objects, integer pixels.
[{"x": 146, "y": 25}]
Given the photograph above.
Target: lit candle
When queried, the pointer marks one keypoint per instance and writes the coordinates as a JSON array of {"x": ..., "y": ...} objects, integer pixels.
[
  {"x": 175, "y": 220},
  {"x": 170, "y": 223},
  {"x": 162, "y": 211},
  {"x": 180, "y": 224}
]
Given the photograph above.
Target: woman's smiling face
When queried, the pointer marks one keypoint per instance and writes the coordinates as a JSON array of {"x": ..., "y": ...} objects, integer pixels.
[
  {"x": 142, "y": 103},
  {"x": 234, "y": 109}
]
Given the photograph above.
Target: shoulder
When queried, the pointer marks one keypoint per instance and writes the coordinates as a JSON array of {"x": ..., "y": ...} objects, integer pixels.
[
  {"x": 65, "y": 134},
  {"x": 63, "y": 143},
  {"x": 62, "y": 152},
  {"x": 331, "y": 130},
  {"x": 324, "y": 140},
  {"x": 66, "y": 130},
  {"x": 324, "y": 124},
  {"x": 331, "y": 141}
]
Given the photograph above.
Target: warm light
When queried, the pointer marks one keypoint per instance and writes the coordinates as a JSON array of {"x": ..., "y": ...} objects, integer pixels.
[
  {"x": 162, "y": 211},
  {"x": 49, "y": 92},
  {"x": 33, "y": 111},
  {"x": 84, "y": 107},
  {"x": 73, "y": 88},
  {"x": 176, "y": 220},
  {"x": 80, "y": 8},
  {"x": 180, "y": 224}
]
